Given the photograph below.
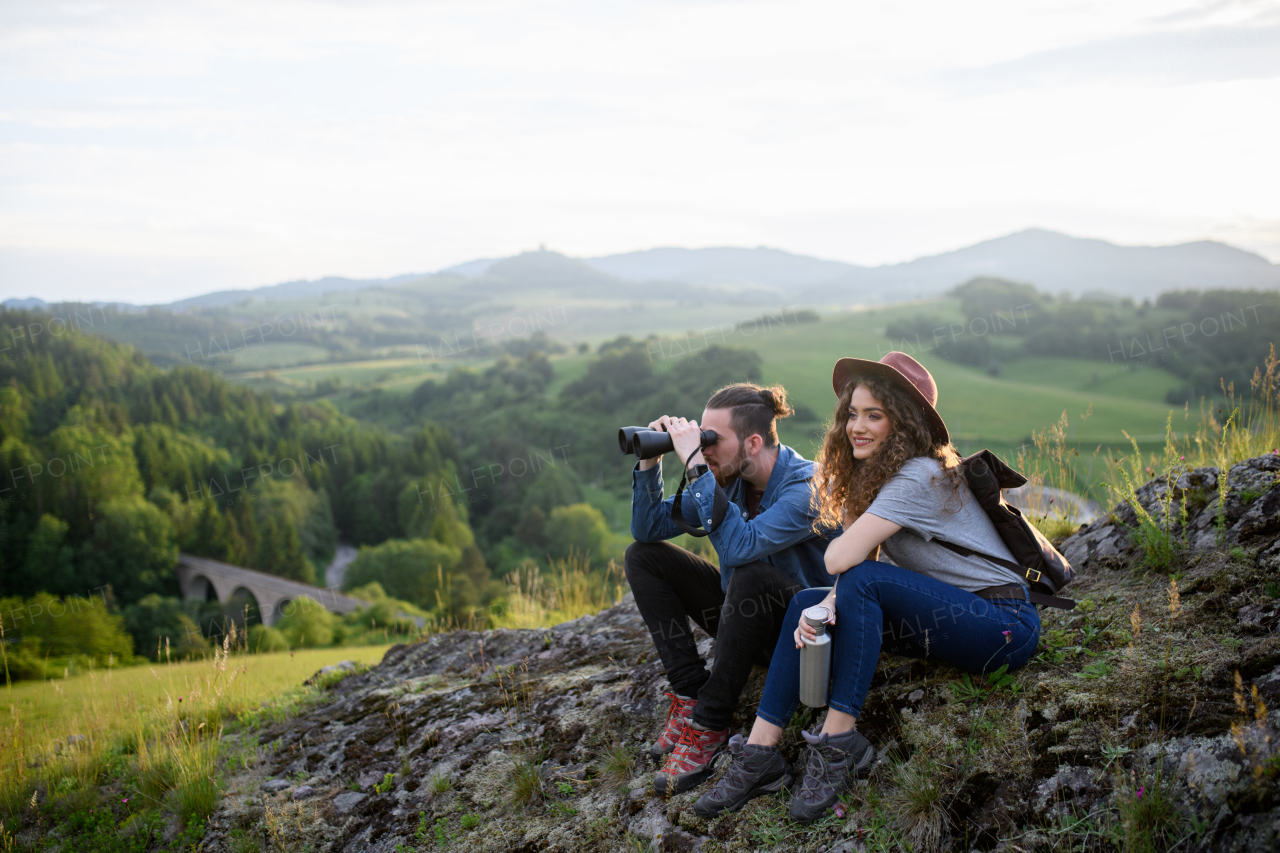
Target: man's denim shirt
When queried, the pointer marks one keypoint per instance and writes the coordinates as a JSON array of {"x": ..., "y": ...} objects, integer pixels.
[{"x": 781, "y": 534}]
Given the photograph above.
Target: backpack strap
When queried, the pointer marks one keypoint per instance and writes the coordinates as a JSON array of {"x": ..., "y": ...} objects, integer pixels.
[
  {"x": 1017, "y": 592},
  {"x": 1031, "y": 575},
  {"x": 719, "y": 506}
]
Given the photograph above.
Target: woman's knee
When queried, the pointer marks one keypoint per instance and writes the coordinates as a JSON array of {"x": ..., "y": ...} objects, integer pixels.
[{"x": 859, "y": 581}]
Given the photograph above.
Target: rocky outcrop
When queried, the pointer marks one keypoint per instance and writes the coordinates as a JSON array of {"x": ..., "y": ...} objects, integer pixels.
[
  {"x": 1147, "y": 710},
  {"x": 1251, "y": 510}
]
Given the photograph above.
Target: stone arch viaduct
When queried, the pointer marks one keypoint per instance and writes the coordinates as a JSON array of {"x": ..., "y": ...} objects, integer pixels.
[{"x": 206, "y": 579}]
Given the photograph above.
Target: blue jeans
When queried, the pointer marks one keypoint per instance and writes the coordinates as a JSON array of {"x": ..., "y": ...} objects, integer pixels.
[{"x": 906, "y": 613}]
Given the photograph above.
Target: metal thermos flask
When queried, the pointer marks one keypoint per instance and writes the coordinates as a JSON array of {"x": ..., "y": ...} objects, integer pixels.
[{"x": 815, "y": 660}]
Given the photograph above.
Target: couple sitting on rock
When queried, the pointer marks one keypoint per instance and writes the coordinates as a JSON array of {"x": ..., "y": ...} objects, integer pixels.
[{"x": 888, "y": 478}]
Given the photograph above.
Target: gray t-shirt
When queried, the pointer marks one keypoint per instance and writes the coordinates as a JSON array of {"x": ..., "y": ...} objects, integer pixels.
[{"x": 915, "y": 501}]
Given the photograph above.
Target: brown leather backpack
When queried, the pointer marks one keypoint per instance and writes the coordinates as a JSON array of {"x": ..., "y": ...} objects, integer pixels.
[{"x": 1042, "y": 566}]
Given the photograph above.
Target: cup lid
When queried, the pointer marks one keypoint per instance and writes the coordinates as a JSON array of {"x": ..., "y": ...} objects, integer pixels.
[{"x": 817, "y": 615}]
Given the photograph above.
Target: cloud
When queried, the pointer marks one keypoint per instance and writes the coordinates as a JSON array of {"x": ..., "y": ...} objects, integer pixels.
[{"x": 1171, "y": 58}]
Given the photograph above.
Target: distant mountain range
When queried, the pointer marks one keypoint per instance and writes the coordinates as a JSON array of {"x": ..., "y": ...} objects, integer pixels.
[{"x": 1049, "y": 260}]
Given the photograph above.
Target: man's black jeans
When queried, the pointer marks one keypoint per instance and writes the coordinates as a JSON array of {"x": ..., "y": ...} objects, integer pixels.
[{"x": 672, "y": 586}]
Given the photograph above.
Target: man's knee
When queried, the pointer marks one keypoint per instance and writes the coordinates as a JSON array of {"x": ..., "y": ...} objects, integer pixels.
[
  {"x": 803, "y": 600},
  {"x": 757, "y": 588},
  {"x": 639, "y": 557}
]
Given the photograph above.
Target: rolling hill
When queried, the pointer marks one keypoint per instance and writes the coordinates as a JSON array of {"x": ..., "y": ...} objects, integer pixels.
[{"x": 1053, "y": 262}]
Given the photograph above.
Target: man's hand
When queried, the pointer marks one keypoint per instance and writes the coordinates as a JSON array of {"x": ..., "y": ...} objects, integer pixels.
[{"x": 686, "y": 436}]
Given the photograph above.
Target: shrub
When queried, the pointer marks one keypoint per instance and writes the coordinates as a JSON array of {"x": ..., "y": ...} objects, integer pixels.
[
  {"x": 61, "y": 630},
  {"x": 308, "y": 625},
  {"x": 263, "y": 639}
]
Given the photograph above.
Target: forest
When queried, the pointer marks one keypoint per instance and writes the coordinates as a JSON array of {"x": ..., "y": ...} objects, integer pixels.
[{"x": 112, "y": 466}]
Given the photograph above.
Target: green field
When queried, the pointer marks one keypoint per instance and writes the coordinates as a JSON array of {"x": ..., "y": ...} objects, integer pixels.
[
  {"x": 999, "y": 412},
  {"x": 980, "y": 410},
  {"x": 266, "y": 355},
  {"x": 104, "y": 703}
]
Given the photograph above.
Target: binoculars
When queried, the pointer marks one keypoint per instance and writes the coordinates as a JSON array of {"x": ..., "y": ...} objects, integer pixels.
[{"x": 648, "y": 443}]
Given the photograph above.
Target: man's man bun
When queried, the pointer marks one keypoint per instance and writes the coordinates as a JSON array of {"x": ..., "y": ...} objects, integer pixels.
[
  {"x": 754, "y": 409},
  {"x": 775, "y": 397}
]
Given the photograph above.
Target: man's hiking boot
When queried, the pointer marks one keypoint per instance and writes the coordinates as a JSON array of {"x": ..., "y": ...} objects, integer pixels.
[
  {"x": 834, "y": 762},
  {"x": 694, "y": 759},
  {"x": 681, "y": 707},
  {"x": 756, "y": 770}
]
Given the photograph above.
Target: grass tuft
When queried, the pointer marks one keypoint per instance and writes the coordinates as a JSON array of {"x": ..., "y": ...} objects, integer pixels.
[
  {"x": 526, "y": 783},
  {"x": 1149, "y": 818},
  {"x": 917, "y": 802},
  {"x": 440, "y": 783},
  {"x": 619, "y": 764}
]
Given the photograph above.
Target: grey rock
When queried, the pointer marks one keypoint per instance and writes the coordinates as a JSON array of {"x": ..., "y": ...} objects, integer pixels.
[
  {"x": 1107, "y": 540},
  {"x": 1258, "y": 617},
  {"x": 346, "y": 802},
  {"x": 340, "y": 666},
  {"x": 275, "y": 786},
  {"x": 915, "y": 696},
  {"x": 1259, "y": 518},
  {"x": 1070, "y": 790},
  {"x": 1213, "y": 766},
  {"x": 1269, "y": 687},
  {"x": 302, "y": 792}
]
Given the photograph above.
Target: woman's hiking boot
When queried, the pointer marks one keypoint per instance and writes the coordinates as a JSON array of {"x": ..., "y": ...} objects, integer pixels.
[
  {"x": 834, "y": 762},
  {"x": 756, "y": 770},
  {"x": 681, "y": 707},
  {"x": 694, "y": 759}
]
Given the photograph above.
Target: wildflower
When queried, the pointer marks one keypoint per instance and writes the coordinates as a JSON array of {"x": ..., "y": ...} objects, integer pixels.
[
  {"x": 1007, "y": 635},
  {"x": 1141, "y": 791},
  {"x": 839, "y": 810},
  {"x": 125, "y": 801},
  {"x": 179, "y": 698},
  {"x": 1182, "y": 459}
]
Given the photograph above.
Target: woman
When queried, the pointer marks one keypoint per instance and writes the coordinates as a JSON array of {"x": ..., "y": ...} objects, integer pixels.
[{"x": 892, "y": 477}]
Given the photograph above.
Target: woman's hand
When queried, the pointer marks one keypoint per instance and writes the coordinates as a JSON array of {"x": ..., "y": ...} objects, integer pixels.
[{"x": 804, "y": 632}]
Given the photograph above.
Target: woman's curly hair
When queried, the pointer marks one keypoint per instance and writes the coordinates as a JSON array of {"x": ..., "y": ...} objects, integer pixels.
[{"x": 846, "y": 486}]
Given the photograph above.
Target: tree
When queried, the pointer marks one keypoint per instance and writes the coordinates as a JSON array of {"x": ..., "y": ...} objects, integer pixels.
[
  {"x": 213, "y": 537},
  {"x": 132, "y": 550},
  {"x": 409, "y": 569},
  {"x": 579, "y": 529},
  {"x": 161, "y": 628},
  {"x": 280, "y": 553},
  {"x": 50, "y": 562}
]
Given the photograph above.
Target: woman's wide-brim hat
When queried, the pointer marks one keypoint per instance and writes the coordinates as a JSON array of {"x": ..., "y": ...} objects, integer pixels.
[{"x": 904, "y": 371}]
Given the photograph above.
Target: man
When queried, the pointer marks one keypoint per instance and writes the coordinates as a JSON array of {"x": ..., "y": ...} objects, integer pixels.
[{"x": 768, "y": 550}]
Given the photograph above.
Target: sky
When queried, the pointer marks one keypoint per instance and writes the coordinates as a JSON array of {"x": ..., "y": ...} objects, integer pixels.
[{"x": 151, "y": 151}]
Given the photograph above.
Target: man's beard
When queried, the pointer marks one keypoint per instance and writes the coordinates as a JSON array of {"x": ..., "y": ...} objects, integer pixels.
[{"x": 727, "y": 474}]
